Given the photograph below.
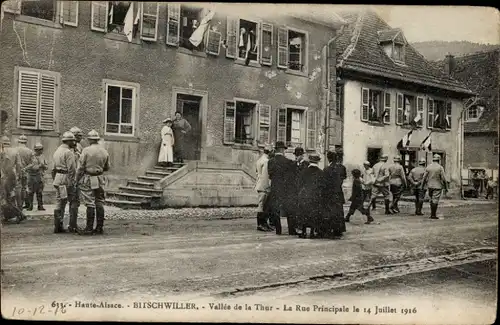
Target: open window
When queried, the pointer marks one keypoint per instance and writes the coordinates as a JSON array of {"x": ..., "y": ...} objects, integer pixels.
[
  {"x": 240, "y": 121},
  {"x": 393, "y": 43},
  {"x": 292, "y": 49},
  {"x": 296, "y": 127},
  {"x": 375, "y": 106},
  {"x": 439, "y": 114},
  {"x": 248, "y": 40},
  {"x": 473, "y": 113},
  {"x": 410, "y": 110}
]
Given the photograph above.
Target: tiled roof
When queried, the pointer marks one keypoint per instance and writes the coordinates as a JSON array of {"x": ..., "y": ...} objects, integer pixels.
[
  {"x": 388, "y": 35},
  {"x": 358, "y": 49},
  {"x": 480, "y": 72}
]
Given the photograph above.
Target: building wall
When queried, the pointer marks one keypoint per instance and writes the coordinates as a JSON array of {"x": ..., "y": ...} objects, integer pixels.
[
  {"x": 359, "y": 135},
  {"x": 84, "y": 58},
  {"x": 479, "y": 151}
]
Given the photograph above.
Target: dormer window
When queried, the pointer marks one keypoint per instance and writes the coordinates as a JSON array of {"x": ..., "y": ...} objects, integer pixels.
[
  {"x": 394, "y": 44},
  {"x": 473, "y": 113}
]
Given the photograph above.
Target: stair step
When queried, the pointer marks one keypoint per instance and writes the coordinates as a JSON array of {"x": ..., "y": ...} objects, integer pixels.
[
  {"x": 175, "y": 165},
  {"x": 140, "y": 184},
  {"x": 130, "y": 197},
  {"x": 157, "y": 173},
  {"x": 126, "y": 204},
  {"x": 171, "y": 169},
  {"x": 149, "y": 179},
  {"x": 142, "y": 191}
]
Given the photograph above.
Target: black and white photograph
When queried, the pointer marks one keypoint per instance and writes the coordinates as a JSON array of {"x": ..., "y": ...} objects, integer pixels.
[{"x": 249, "y": 162}]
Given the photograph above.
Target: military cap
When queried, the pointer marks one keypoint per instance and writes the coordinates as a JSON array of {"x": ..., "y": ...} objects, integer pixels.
[
  {"x": 421, "y": 161},
  {"x": 5, "y": 140},
  {"x": 397, "y": 158},
  {"x": 93, "y": 135},
  {"x": 68, "y": 136},
  {"x": 76, "y": 131},
  {"x": 22, "y": 139},
  {"x": 436, "y": 157},
  {"x": 38, "y": 146},
  {"x": 366, "y": 163},
  {"x": 384, "y": 157}
]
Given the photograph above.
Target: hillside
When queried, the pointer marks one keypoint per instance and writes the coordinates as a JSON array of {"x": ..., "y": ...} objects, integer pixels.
[{"x": 436, "y": 50}]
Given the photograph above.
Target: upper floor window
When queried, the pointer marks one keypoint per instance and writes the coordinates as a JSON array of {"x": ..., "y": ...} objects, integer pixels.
[
  {"x": 37, "y": 98},
  {"x": 46, "y": 12},
  {"x": 42, "y": 9},
  {"x": 375, "y": 106},
  {"x": 296, "y": 127},
  {"x": 410, "y": 110},
  {"x": 120, "y": 108},
  {"x": 292, "y": 49},
  {"x": 126, "y": 18},
  {"x": 439, "y": 114},
  {"x": 473, "y": 113},
  {"x": 189, "y": 27}
]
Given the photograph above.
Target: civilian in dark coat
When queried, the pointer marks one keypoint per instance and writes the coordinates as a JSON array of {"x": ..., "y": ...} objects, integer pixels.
[
  {"x": 334, "y": 195},
  {"x": 300, "y": 165},
  {"x": 283, "y": 184},
  {"x": 310, "y": 200}
]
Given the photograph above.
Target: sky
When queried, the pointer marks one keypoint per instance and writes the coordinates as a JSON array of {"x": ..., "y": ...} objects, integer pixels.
[{"x": 419, "y": 23}]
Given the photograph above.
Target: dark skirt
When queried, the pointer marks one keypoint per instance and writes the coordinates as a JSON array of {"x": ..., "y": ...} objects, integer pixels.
[
  {"x": 179, "y": 145},
  {"x": 334, "y": 215}
]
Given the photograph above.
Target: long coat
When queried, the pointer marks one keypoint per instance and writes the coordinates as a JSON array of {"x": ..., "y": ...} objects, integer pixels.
[
  {"x": 262, "y": 184},
  {"x": 282, "y": 175},
  {"x": 334, "y": 196},
  {"x": 167, "y": 143},
  {"x": 311, "y": 189},
  {"x": 181, "y": 129}
]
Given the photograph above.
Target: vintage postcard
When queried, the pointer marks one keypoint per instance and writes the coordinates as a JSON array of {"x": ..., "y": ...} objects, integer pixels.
[{"x": 256, "y": 163}]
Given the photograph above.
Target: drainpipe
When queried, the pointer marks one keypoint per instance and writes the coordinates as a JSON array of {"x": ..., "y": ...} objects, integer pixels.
[{"x": 462, "y": 138}]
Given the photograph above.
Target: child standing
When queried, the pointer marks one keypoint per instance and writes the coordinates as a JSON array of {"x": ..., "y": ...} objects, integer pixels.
[
  {"x": 166, "y": 157},
  {"x": 357, "y": 198}
]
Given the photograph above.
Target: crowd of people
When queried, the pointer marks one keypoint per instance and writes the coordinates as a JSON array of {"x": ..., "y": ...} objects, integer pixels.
[
  {"x": 77, "y": 174},
  {"x": 313, "y": 198}
]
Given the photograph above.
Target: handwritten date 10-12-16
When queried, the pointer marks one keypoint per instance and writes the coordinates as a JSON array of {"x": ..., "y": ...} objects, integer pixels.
[{"x": 55, "y": 308}]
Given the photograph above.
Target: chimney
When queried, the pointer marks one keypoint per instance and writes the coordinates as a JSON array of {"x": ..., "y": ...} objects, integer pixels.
[{"x": 449, "y": 65}]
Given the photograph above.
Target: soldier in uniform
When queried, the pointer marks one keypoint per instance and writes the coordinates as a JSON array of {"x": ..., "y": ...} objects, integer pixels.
[
  {"x": 26, "y": 155},
  {"x": 416, "y": 177},
  {"x": 73, "y": 210},
  {"x": 94, "y": 161},
  {"x": 10, "y": 169},
  {"x": 381, "y": 183},
  {"x": 397, "y": 182},
  {"x": 435, "y": 180},
  {"x": 63, "y": 175},
  {"x": 36, "y": 171}
]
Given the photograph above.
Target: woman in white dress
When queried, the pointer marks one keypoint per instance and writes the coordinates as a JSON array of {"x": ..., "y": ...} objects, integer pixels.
[{"x": 166, "y": 156}]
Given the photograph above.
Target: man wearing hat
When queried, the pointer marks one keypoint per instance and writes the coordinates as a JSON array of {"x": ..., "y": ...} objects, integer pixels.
[
  {"x": 94, "y": 161},
  {"x": 36, "y": 171},
  {"x": 78, "y": 138},
  {"x": 300, "y": 165},
  {"x": 63, "y": 175},
  {"x": 262, "y": 186},
  {"x": 381, "y": 183},
  {"x": 416, "y": 177},
  {"x": 311, "y": 189},
  {"x": 299, "y": 159},
  {"x": 397, "y": 181},
  {"x": 26, "y": 155},
  {"x": 334, "y": 199},
  {"x": 282, "y": 175},
  {"x": 436, "y": 182},
  {"x": 10, "y": 169}
]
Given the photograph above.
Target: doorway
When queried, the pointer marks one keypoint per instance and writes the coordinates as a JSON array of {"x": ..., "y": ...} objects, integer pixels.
[
  {"x": 189, "y": 106},
  {"x": 373, "y": 155}
]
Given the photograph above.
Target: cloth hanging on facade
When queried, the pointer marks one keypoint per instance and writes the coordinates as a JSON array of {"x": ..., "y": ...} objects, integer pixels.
[
  {"x": 129, "y": 22},
  {"x": 242, "y": 38},
  {"x": 297, "y": 41},
  {"x": 197, "y": 36}
]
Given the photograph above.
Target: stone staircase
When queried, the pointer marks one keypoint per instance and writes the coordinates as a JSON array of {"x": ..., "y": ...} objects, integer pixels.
[{"x": 144, "y": 192}]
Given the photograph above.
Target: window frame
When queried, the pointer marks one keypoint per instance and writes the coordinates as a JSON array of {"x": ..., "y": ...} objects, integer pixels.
[
  {"x": 56, "y": 21},
  {"x": 435, "y": 111},
  {"x": 157, "y": 17},
  {"x": 100, "y": 4},
  {"x": 478, "y": 109},
  {"x": 135, "y": 107},
  {"x": 258, "y": 22},
  {"x": 305, "y": 64},
  {"x": 57, "y": 98},
  {"x": 255, "y": 122},
  {"x": 65, "y": 23},
  {"x": 303, "y": 124}
]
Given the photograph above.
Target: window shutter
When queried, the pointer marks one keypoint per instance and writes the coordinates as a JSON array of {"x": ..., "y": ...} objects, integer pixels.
[
  {"x": 48, "y": 92},
  {"x": 173, "y": 24},
  {"x": 69, "y": 12},
  {"x": 266, "y": 44},
  {"x": 264, "y": 124},
  {"x": 99, "y": 18},
  {"x": 311, "y": 129},
  {"x": 282, "y": 48},
  {"x": 229, "y": 122},
  {"x": 281, "y": 125},
  {"x": 150, "y": 13},
  {"x": 231, "y": 37},
  {"x": 213, "y": 42},
  {"x": 365, "y": 102},
  {"x": 448, "y": 115},
  {"x": 387, "y": 107},
  {"x": 12, "y": 6},
  {"x": 430, "y": 113},
  {"x": 399, "y": 109},
  {"x": 420, "y": 111},
  {"x": 28, "y": 97}
]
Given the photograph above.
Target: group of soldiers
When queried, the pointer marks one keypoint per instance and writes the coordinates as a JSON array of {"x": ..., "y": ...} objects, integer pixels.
[
  {"x": 310, "y": 197},
  {"x": 77, "y": 173}
]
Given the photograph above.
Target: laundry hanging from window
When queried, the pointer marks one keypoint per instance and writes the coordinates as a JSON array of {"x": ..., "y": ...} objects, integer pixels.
[
  {"x": 248, "y": 42},
  {"x": 199, "y": 33},
  {"x": 122, "y": 19}
]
